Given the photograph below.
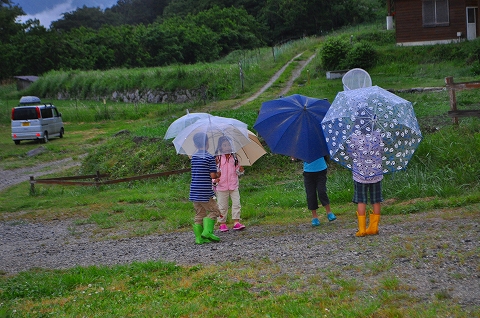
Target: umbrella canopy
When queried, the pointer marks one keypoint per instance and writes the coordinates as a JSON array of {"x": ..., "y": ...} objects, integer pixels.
[
  {"x": 371, "y": 120},
  {"x": 292, "y": 126},
  {"x": 181, "y": 123},
  {"x": 251, "y": 152},
  {"x": 213, "y": 128}
]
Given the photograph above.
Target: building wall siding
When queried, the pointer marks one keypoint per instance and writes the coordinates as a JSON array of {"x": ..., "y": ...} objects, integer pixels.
[{"x": 409, "y": 26}]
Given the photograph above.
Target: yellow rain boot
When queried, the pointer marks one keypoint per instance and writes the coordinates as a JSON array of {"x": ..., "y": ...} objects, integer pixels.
[
  {"x": 373, "y": 224},
  {"x": 361, "y": 225}
]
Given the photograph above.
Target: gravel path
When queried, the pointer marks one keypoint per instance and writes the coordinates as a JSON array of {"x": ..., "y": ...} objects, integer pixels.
[
  {"x": 15, "y": 176},
  {"x": 430, "y": 253}
]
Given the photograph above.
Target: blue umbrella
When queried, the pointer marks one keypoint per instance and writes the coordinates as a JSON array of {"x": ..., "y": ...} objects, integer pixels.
[
  {"x": 291, "y": 126},
  {"x": 371, "y": 122}
]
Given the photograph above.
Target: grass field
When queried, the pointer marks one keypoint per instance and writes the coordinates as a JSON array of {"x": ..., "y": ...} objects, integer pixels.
[{"x": 444, "y": 173}]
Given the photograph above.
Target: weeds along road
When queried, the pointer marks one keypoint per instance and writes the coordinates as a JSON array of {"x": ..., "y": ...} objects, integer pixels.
[{"x": 12, "y": 177}]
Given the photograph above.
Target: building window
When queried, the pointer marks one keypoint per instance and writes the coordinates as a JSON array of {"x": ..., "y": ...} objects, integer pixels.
[{"x": 435, "y": 13}]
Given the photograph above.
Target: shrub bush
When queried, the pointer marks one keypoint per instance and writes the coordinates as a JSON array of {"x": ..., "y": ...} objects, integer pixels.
[
  {"x": 475, "y": 68},
  {"x": 471, "y": 50},
  {"x": 362, "y": 55},
  {"x": 337, "y": 53},
  {"x": 333, "y": 52}
]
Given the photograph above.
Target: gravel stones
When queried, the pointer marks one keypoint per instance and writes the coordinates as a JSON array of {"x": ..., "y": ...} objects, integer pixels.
[{"x": 427, "y": 257}]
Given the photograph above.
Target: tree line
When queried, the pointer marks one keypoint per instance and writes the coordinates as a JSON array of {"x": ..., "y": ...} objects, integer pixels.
[{"x": 149, "y": 33}]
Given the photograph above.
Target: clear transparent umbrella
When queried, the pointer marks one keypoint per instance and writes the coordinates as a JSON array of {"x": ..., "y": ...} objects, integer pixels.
[
  {"x": 365, "y": 115},
  {"x": 214, "y": 128},
  {"x": 181, "y": 123}
]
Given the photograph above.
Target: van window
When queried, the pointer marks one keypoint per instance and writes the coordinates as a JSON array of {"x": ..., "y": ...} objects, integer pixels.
[
  {"x": 46, "y": 112},
  {"x": 25, "y": 113}
]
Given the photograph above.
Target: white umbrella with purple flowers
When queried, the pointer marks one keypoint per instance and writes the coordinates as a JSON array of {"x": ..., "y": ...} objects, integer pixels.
[{"x": 365, "y": 115}]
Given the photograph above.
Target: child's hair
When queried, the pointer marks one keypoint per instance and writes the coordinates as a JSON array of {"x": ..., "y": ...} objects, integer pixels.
[
  {"x": 221, "y": 140},
  {"x": 200, "y": 140}
]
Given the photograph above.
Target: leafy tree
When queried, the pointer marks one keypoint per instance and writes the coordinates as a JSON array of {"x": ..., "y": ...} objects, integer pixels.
[
  {"x": 79, "y": 50},
  {"x": 162, "y": 46},
  {"x": 138, "y": 11},
  {"x": 87, "y": 17},
  {"x": 198, "y": 43},
  {"x": 34, "y": 50},
  {"x": 138, "y": 33},
  {"x": 180, "y": 8},
  {"x": 9, "y": 61},
  {"x": 8, "y": 17},
  {"x": 352, "y": 12},
  {"x": 131, "y": 12},
  {"x": 235, "y": 28},
  {"x": 184, "y": 7},
  {"x": 109, "y": 47},
  {"x": 126, "y": 42},
  {"x": 288, "y": 19},
  {"x": 282, "y": 18}
]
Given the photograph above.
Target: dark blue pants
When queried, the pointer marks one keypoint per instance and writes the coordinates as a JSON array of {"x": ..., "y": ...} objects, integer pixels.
[{"x": 316, "y": 188}]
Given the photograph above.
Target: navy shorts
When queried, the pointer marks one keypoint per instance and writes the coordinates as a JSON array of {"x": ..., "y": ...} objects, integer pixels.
[{"x": 360, "y": 194}]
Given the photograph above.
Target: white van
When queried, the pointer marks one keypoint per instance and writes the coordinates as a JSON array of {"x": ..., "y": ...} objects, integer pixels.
[{"x": 32, "y": 120}]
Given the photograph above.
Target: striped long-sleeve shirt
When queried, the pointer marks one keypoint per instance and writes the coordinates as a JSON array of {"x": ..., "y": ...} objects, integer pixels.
[{"x": 202, "y": 164}]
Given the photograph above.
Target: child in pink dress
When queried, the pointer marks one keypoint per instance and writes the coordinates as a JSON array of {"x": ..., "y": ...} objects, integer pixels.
[{"x": 227, "y": 184}]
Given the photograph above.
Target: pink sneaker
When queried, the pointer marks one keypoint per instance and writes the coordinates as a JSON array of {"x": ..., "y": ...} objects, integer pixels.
[
  {"x": 238, "y": 226},
  {"x": 223, "y": 228}
]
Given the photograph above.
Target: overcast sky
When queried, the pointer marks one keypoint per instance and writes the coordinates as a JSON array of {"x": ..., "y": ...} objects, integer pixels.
[{"x": 48, "y": 11}]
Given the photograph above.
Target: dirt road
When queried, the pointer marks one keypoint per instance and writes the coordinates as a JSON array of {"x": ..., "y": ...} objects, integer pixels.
[{"x": 15, "y": 176}]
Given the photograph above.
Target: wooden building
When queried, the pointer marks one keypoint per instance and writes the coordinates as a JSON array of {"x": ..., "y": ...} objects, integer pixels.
[
  {"x": 25, "y": 81},
  {"x": 423, "y": 22}
]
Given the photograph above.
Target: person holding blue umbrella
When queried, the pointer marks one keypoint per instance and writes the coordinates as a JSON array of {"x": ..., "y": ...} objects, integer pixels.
[
  {"x": 315, "y": 181},
  {"x": 291, "y": 126}
]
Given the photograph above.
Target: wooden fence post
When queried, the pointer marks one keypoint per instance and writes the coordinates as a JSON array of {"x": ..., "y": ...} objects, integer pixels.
[
  {"x": 453, "y": 99},
  {"x": 97, "y": 178},
  {"x": 32, "y": 185},
  {"x": 241, "y": 75}
]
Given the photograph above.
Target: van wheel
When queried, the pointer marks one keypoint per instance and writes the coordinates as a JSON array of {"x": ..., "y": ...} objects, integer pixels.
[
  {"x": 45, "y": 138},
  {"x": 61, "y": 133},
  {"x": 17, "y": 142}
]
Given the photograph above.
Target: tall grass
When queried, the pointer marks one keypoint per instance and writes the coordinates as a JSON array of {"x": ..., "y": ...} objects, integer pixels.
[{"x": 221, "y": 79}]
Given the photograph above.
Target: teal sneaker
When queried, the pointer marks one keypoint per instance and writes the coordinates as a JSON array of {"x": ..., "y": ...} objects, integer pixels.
[
  {"x": 315, "y": 222},
  {"x": 331, "y": 217}
]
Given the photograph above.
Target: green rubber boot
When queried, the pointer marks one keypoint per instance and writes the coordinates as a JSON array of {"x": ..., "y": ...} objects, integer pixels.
[
  {"x": 207, "y": 233},
  {"x": 198, "y": 229}
]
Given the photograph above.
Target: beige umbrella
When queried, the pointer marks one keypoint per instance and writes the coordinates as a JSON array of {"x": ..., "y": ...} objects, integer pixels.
[{"x": 250, "y": 153}]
